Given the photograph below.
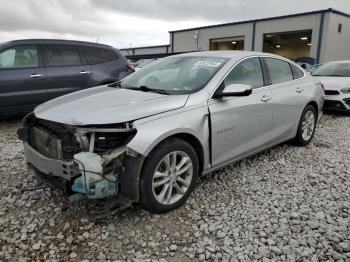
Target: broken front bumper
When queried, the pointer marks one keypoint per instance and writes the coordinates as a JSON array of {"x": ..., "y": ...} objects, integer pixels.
[
  {"x": 59, "y": 173},
  {"x": 48, "y": 166}
]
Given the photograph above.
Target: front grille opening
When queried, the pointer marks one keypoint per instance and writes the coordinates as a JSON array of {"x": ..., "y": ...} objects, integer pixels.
[
  {"x": 58, "y": 141},
  {"x": 53, "y": 140},
  {"x": 333, "y": 105},
  {"x": 347, "y": 101},
  {"x": 331, "y": 92}
]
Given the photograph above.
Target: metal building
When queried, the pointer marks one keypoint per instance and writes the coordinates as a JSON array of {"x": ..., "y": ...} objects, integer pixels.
[{"x": 321, "y": 36}]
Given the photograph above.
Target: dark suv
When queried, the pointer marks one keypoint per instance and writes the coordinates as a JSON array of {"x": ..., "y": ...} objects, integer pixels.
[{"x": 34, "y": 71}]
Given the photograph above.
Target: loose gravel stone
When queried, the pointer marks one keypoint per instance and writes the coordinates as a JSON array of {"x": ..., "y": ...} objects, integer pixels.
[
  {"x": 285, "y": 204},
  {"x": 73, "y": 255},
  {"x": 36, "y": 246},
  {"x": 173, "y": 247}
]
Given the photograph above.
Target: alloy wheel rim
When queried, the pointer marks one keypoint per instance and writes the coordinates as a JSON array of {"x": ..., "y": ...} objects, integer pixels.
[
  {"x": 172, "y": 177},
  {"x": 308, "y": 125}
]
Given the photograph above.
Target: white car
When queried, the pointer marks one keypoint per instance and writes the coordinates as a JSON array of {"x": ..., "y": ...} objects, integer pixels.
[{"x": 335, "y": 77}]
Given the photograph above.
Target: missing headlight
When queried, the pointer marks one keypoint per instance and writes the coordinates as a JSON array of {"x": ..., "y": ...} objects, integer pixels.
[
  {"x": 106, "y": 138},
  {"x": 108, "y": 141}
]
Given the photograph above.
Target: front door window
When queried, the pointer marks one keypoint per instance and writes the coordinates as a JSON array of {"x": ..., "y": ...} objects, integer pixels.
[{"x": 19, "y": 57}]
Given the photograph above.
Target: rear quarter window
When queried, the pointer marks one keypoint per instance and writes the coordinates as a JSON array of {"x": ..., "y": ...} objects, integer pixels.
[
  {"x": 297, "y": 73},
  {"x": 96, "y": 55}
]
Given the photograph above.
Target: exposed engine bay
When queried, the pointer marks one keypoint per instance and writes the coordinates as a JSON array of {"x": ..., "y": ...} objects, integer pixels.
[{"x": 86, "y": 162}]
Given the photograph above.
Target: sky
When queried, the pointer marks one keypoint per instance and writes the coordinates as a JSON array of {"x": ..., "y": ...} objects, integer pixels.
[{"x": 133, "y": 23}]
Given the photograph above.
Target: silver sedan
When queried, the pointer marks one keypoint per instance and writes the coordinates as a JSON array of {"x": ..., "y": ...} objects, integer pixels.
[{"x": 150, "y": 136}]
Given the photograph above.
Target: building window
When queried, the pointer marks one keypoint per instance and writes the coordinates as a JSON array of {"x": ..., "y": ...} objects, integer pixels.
[
  {"x": 232, "y": 43},
  {"x": 340, "y": 27}
]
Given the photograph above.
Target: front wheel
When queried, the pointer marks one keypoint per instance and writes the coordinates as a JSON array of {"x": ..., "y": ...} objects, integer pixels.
[
  {"x": 307, "y": 126},
  {"x": 168, "y": 176}
]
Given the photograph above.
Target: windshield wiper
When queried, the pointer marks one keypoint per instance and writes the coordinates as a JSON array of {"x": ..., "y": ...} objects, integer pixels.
[
  {"x": 159, "y": 91},
  {"x": 148, "y": 89}
]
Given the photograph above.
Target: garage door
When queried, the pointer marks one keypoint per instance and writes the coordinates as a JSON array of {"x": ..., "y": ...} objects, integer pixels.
[{"x": 291, "y": 45}]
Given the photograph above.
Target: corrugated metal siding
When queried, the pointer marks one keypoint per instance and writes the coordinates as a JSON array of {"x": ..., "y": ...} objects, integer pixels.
[
  {"x": 286, "y": 25},
  {"x": 145, "y": 50},
  {"x": 184, "y": 41},
  {"x": 336, "y": 46}
]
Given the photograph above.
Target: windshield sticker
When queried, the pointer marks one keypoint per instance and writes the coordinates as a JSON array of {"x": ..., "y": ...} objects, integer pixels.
[{"x": 207, "y": 63}]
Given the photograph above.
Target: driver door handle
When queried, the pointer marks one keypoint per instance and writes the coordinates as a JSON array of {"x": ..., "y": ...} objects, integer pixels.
[
  {"x": 265, "y": 98},
  {"x": 84, "y": 72},
  {"x": 35, "y": 75},
  {"x": 299, "y": 90}
]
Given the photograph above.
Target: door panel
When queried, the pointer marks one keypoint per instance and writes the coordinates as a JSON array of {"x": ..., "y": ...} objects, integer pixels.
[
  {"x": 19, "y": 90},
  {"x": 66, "y": 79},
  {"x": 289, "y": 103},
  {"x": 289, "y": 99},
  {"x": 65, "y": 71},
  {"x": 22, "y": 80},
  {"x": 240, "y": 125}
]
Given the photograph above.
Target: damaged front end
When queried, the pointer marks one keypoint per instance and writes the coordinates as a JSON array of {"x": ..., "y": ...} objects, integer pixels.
[{"x": 89, "y": 162}]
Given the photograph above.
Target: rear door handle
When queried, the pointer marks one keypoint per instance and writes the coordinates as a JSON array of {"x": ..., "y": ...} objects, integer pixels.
[
  {"x": 84, "y": 72},
  {"x": 265, "y": 98},
  {"x": 35, "y": 75},
  {"x": 299, "y": 90}
]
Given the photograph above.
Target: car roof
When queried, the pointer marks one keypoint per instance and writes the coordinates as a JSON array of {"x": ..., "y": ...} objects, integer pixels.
[
  {"x": 55, "y": 41},
  {"x": 229, "y": 54},
  {"x": 340, "y": 62}
]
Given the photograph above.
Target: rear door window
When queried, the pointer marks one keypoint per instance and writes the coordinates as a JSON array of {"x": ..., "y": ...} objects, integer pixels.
[
  {"x": 95, "y": 55},
  {"x": 61, "y": 55},
  {"x": 19, "y": 57},
  {"x": 280, "y": 70},
  {"x": 297, "y": 73}
]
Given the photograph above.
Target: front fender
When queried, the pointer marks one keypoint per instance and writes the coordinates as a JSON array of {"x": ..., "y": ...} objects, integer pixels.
[{"x": 193, "y": 122}]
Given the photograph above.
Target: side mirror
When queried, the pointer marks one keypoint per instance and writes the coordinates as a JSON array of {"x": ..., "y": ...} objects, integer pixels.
[{"x": 235, "y": 90}]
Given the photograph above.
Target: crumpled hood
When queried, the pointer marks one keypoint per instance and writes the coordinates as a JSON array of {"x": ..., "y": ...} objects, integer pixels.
[
  {"x": 107, "y": 105},
  {"x": 334, "y": 82}
]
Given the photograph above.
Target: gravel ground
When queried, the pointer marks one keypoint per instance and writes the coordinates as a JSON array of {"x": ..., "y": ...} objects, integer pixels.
[{"x": 285, "y": 204}]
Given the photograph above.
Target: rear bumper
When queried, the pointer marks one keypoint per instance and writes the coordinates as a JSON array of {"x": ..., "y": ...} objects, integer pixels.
[{"x": 48, "y": 166}]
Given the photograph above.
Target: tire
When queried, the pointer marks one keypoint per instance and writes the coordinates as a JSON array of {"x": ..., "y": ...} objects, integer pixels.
[
  {"x": 306, "y": 127},
  {"x": 155, "y": 195}
]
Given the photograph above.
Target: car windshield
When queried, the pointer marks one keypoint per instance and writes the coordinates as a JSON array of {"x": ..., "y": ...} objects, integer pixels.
[
  {"x": 333, "y": 69},
  {"x": 175, "y": 75}
]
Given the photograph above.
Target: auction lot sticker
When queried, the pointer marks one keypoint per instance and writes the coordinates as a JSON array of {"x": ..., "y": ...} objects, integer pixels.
[{"x": 207, "y": 63}]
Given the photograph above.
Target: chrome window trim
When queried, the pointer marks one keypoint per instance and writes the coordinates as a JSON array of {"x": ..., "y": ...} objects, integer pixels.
[{"x": 259, "y": 88}]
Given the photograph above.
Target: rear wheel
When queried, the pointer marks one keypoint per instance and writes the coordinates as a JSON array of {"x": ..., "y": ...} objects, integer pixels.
[
  {"x": 168, "y": 176},
  {"x": 307, "y": 126}
]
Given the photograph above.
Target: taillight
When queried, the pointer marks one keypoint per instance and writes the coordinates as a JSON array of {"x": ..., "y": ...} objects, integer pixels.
[{"x": 131, "y": 67}]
